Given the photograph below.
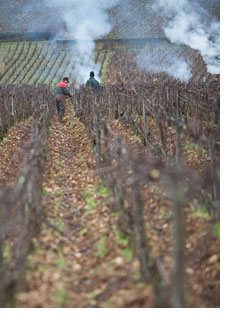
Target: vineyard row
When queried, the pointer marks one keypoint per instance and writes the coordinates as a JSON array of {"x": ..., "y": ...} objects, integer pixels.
[{"x": 39, "y": 62}]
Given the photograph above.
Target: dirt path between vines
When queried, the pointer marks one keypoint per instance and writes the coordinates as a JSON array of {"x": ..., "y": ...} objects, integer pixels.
[
  {"x": 11, "y": 152},
  {"x": 202, "y": 245},
  {"x": 79, "y": 259}
]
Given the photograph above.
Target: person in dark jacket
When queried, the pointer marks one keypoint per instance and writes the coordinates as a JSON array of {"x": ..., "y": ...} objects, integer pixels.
[
  {"x": 61, "y": 92},
  {"x": 94, "y": 84}
]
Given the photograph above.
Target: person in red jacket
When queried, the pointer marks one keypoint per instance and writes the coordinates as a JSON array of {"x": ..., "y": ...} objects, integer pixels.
[{"x": 61, "y": 92}]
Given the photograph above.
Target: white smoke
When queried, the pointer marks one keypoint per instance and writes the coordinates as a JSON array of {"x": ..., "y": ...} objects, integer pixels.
[
  {"x": 189, "y": 24},
  {"x": 155, "y": 62},
  {"x": 86, "y": 21}
]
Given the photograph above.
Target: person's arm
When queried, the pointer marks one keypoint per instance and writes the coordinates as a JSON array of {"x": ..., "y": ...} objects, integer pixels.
[{"x": 67, "y": 91}]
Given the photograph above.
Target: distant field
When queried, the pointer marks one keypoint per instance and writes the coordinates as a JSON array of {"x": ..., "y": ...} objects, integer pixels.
[
  {"x": 36, "y": 62},
  {"x": 39, "y": 62}
]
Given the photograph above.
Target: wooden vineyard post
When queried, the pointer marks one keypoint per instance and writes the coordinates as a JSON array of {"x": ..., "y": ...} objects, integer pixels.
[
  {"x": 178, "y": 132},
  {"x": 163, "y": 142},
  {"x": 148, "y": 266},
  {"x": 1, "y": 125},
  {"x": 80, "y": 102},
  {"x": 176, "y": 193},
  {"x": 97, "y": 136},
  {"x": 107, "y": 158},
  {"x": 178, "y": 144},
  {"x": 12, "y": 106},
  {"x": 124, "y": 217},
  {"x": 1, "y": 249},
  {"x": 4, "y": 294},
  {"x": 215, "y": 180},
  {"x": 175, "y": 190},
  {"x": 178, "y": 299},
  {"x": 5, "y": 107},
  {"x": 74, "y": 101},
  {"x": 109, "y": 104},
  {"x": 107, "y": 153},
  {"x": 217, "y": 112},
  {"x": 168, "y": 99},
  {"x": 145, "y": 122},
  {"x": 179, "y": 244}
]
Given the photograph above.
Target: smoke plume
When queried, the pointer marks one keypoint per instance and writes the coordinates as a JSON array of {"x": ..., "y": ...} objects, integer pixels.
[
  {"x": 87, "y": 21},
  {"x": 83, "y": 21},
  {"x": 194, "y": 23},
  {"x": 188, "y": 23},
  {"x": 170, "y": 63}
]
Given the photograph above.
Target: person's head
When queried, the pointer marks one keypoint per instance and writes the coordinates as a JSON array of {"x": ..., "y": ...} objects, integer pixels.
[
  {"x": 66, "y": 80},
  {"x": 91, "y": 74}
]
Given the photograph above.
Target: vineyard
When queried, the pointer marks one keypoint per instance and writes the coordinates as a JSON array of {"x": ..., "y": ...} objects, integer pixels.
[
  {"x": 119, "y": 206},
  {"x": 38, "y": 62},
  {"x": 45, "y": 62}
]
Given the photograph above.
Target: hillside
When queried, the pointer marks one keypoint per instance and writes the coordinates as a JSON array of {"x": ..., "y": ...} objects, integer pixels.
[
  {"x": 40, "y": 62},
  {"x": 47, "y": 62},
  {"x": 25, "y": 15},
  {"x": 130, "y": 19}
]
